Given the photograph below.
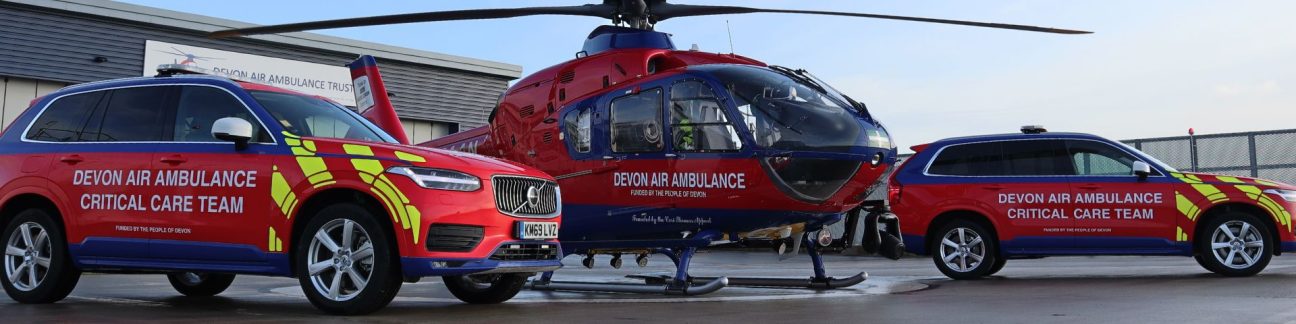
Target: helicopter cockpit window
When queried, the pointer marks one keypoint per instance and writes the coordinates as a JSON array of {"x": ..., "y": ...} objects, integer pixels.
[
  {"x": 698, "y": 122},
  {"x": 785, "y": 113},
  {"x": 576, "y": 129},
  {"x": 636, "y": 122}
]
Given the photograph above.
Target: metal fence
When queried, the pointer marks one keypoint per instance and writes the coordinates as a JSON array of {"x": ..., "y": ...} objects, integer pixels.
[{"x": 1265, "y": 154}]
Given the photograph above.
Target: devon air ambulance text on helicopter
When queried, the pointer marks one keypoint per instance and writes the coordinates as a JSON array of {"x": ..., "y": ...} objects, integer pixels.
[
  {"x": 1080, "y": 213},
  {"x": 678, "y": 180},
  {"x": 117, "y": 179}
]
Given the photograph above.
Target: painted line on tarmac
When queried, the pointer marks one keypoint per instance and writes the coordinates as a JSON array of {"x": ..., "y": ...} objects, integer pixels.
[
  {"x": 120, "y": 301},
  {"x": 877, "y": 287}
]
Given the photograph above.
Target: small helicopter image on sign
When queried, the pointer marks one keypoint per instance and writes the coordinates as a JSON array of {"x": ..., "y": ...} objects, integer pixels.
[
  {"x": 664, "y": 151},
  {"x": 189, "y": 59}
]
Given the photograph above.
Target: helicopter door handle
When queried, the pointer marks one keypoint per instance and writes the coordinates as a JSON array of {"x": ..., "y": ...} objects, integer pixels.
[
  {"x": 1089, "y": 187},
  {"x": 672, "y": 155},
  {"x": 71, "y": 159},
  {"x": 173, "y": 159},
  {"x": 994, "y": 187}
]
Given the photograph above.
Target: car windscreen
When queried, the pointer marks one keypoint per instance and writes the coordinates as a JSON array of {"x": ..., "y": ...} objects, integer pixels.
[{"x": 310, "y": 116}]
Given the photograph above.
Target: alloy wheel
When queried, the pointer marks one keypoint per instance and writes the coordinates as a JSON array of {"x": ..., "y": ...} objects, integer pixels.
[
  {"x": 341, "y": 259},
  {"x": 1236, "y": 244},
  {"x": 27, "y": 256},
  {"x": 962, "y": 249}
]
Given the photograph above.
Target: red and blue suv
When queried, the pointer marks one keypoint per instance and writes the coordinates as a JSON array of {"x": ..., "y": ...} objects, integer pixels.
[
  {"x": 974, "y": 202},
  {"x": 202, "y": 177}
]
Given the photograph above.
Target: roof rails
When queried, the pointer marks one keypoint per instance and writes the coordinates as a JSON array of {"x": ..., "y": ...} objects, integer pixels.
[
  {"x": 1033, "y": 129},
  {"x": 168, "y": 70}
]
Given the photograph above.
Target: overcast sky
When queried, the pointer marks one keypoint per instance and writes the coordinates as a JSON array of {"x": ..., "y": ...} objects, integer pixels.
[{"x": 1152, "y": 68}]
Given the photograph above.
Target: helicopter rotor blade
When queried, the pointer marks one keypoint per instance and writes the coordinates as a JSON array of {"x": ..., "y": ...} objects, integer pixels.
[
  {"x": 663, "y": 10},
  {"x": 592, "y": 10}
]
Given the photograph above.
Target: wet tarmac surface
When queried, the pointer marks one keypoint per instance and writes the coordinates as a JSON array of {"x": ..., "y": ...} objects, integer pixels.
[{"x": 1116, "y": 289}]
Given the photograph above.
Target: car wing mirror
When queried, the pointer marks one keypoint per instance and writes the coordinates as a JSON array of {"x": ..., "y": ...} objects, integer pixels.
[
  {"x": 233, "y": 129},
  {"x": 1142, "y": 170}
]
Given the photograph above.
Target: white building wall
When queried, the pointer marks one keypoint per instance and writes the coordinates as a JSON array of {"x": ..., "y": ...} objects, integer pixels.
[
  {"x": 17, "y": 93},
  {"x": 419, "y": 131}
]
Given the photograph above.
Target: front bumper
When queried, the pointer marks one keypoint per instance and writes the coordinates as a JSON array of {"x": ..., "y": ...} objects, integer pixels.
[{"x": 424, "y": 267}]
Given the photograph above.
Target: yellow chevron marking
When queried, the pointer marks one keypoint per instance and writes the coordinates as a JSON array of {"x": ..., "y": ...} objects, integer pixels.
[
  {"x": 282, "y": 193},
  {"x": 354, "y": 149},
  {"x": 1229, "y": 179},
  {"x": 1186, "y": 207},
  {"x": 1212, "y": 193},
  {"x": 1276, "y": 209},
  {"x": 274, "y": 244},
  {"x": 409, "y": 157},
  {"x": 1185, "y": 177}
]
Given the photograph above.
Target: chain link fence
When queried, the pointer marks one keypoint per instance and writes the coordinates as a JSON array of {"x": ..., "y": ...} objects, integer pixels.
[{"x": 1263, "y": 154}]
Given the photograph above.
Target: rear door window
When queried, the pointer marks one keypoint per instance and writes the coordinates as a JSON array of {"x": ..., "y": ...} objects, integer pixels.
[
  {"x": 977, "y": 159},
  {"x": 1037, "y": 158},
  {"x": 63, "y": 120},
  {"x": 132, "y": 114}
]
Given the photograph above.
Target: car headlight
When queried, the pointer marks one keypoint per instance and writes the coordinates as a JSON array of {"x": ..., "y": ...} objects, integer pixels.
[
  {"x": 439, "y": 178},
  {"x": 1288, "y": 195}
]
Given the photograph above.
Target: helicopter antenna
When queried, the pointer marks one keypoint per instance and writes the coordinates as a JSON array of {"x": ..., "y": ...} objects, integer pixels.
[{"x": 731, "y": 50}]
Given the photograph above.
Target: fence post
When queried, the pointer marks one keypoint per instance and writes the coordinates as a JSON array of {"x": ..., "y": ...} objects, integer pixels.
[
  {"x": 1251, "y": 149},
  {"x": 1192, "y": 149}
]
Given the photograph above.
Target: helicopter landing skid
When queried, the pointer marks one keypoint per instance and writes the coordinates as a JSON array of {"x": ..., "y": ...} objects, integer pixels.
[
  {"x": 679, "y": 256},
  {"x": 689, "y": 288},
  {"x": 819, "y": 281},
  {"x": 812, "y": 283}
]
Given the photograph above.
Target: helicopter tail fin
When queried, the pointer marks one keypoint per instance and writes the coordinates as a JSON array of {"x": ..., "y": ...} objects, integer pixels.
[{"x": 371, "y": 97}]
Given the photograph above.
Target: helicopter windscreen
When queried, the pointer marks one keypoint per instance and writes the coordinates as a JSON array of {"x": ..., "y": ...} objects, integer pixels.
[{"x": 784, "y": 113}]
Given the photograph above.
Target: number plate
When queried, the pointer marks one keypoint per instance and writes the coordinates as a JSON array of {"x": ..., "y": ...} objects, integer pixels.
[{"x": 537, "y": 230}]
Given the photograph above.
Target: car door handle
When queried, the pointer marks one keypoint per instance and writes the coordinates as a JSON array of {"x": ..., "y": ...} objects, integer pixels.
[
  {"x": 173, "y": 159},
  {"x": 1089, "y": 187},
  {"x": 71, "y": 159},
  {"x": 994, "y": 187}
]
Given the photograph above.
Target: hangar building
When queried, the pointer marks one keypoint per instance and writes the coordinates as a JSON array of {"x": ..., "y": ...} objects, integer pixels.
[{"x": 49, "y": 44}]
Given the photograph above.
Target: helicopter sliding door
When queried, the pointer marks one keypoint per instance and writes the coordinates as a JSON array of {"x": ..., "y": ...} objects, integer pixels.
[
  {"x": 697, "y": 120},
  {"x": 636, "y": 123}
]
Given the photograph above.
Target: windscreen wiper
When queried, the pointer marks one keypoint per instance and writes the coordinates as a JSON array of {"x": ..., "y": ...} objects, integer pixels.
[{"x": 796, "y": 74}]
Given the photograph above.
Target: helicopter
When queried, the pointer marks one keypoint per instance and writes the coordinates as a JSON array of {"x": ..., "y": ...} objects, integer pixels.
[{"x": 666, "y": 151}]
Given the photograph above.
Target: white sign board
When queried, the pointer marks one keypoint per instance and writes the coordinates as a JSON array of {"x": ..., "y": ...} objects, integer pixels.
[{"x": 333, "y": 82}]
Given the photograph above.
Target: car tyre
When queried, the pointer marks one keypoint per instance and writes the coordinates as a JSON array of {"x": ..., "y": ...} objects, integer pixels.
[
  {"x": 345, "y": 261},
  {"x": 486, "y": 289},
  {"x": 199, "y": 284},
  {"x": 1235, "y": 245},
  {"x": 998, "y": 265},
  {"x": 36, "y": 253},
  {"x": 964, "y": 250}
]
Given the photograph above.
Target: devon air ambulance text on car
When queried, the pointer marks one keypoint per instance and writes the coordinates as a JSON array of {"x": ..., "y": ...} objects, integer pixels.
[
  {"x": 203, "y": 177},
  {"x": 164, "y": 178},
  {"x": 973, "y": 202}
]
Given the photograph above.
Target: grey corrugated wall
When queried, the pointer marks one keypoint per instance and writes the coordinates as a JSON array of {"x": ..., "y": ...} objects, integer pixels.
[{"x": 40, "y": 44}]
